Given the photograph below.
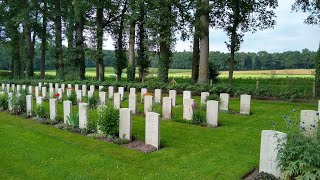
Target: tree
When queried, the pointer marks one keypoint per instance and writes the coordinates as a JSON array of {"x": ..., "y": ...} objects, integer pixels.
[
  {"x": 28, "y": 40},
  {"x": 317, "y": 76},
  {"x": 58, "y": 39},
  {"x": 204, "y": 42},
  {"x": 131, "y": 69},
  {"x": 311, "y": 6},
  {"x": 196, "y": 48},
  {"x": 43, "y": 40},
  {"x": 240, "y": 16}
]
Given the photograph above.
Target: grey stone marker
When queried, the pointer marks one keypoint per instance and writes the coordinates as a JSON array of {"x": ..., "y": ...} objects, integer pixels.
[
  {"x": 30, "y": 88},
  {"x": 157, "y": 95},
  {"x": 188, "y": 109},
  {"x": 84, "y": 90},
  {"x": 173, "y": 95},
  {"x": 143, "y": 92},
  {"x": 83, "y": 115},
  {"x": 67, "y": 111},
  {"x": 102, "y": 98},
  {"x": 204, "y": 96},
  {"x": 212, "y": 113},
  {"x": 110, "y": 92},
  {"x": 79, "y": 96},
  {"x": 147, "y": 104},
  {"x": 125, "y": 124},
  {"x": 53, "y": 109},
  {"x": 100, "y": 88},
  {"x": 117, "y": 100},
  {"x": 44, "y": 92},
  {"x": 92, "y": 88},
  {"x": 224, "y": 101},
  {"x": 10, "y": 98},
  {"x": 132, "y": 90},
  {"x": 271, "y": 141},
  {"x": 245, "y": 103},
  {"x": 121, "y": 92},
  {"x": 152, "y": 132},
  {"x": 133, "y": 103},
  {"x": 309, "y": 122},
  {"x": 166, "y": 107},
  {"x": 60, "y": 92},
  {"x": 29, "y": 105},
  {"x": 76, "y": 87},
  {"x": 36, "y": 91}
]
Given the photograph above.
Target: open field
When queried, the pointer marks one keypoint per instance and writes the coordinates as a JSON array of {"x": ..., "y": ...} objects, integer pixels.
[
  {"x": 30, "y": 150},
  {"x": 109, "y": 71}
]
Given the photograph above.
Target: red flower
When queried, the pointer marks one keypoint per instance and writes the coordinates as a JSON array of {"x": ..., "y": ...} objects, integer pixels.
[{"x": 56, "y": 95}]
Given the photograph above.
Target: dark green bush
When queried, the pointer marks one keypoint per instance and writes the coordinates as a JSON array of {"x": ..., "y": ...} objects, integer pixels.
[
  {"x": 264, "y": 176},
  {"x": 73, "y": 98},
  {"x": 3, "y": 101},
  {"x": 93, "y": 102},
  {"x": 108, "y": 120},
  {"x": 19, "y": 105},
  {"x": 198, "y": 118},
  {"x": 213, "y": 97},
  {"x": 41, "y": 111}
]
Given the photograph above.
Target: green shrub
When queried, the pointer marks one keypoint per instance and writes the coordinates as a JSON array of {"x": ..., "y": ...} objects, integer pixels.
[
  {"x": 213, "y": 97},
  {"x": 73, "y": 120},
  {"x": 41, "y": 111},
  {"x": 156, "y": 107},
  {"x": 3, "y": 101},
  {"x": 299, "y": 157},
  {"x": 108, "y": 120},
  {"x": 264, "y": 176},
  {"x": 198, "y": 118},
  {"x": 19, "y": 105},
  {"x": 73, "y": 98},
  {"x": 93, "y": 102}
]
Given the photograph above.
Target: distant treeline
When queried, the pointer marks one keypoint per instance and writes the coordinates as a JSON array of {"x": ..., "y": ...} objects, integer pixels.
[{"x": 183, "y": 60}]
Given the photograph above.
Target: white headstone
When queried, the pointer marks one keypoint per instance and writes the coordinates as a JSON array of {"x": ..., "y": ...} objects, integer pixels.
[
  {"x": 309, "y": 122},
  {"x": 53, "y": 109},
  {"x": 69, "y": 91},
  {"x": 224, "y": 101},
  {"x": 69, "y": 86},
  {"x": 63, "y": 86},
  {"x": 92, "y": 88},
  {"x": 36, "y": 91},
  {"x": 121, "y": 91},
  {"x": 157, "y": 95},
  {"x": 173, "y": 95},
  {"x": 30, "y": 88},
  {"x": 143, "y": 92},
  {"x": 147, "y": 104},
  {"x": 271, "y": 141},
  {"x": 125, "y": 124},
  {"x": 10, "y": 99},
  {"x": 152, "y": 132},
  {"x": 13, "y": 87},
  {"x": 67, "y": 110},
  {"x": 166, "y": 107},
  {"x": 56, "y": 87},
  {"x": 51, "y": 92},
  {"x": 133, "y": 103},
  {"x": 132, "y": 90},
  {"x": 83, "y": 115},
  {"x": 186, "y": 95},
  {"x": 24, "y": 87},
  {"x": 100, "y": 88},
  {"x": 60, "y": 92},
  {"x": 39, "y": 100},
  {"x": 44, "y": 92},
  {"x": 212, "y": 112},
  {"x": 110, "y": 92},
  {"x": 102, "y": 98},
  {"x": 29, "y": 105},
  {"x": 84, "y": 90},
  {"x": 8, "y": 88},
  {"x": 18, "y": 88},
  {"x": 117, "y": 100},
  {"x": 204, "y": 96},
  {"x": 76, "y": 87},
  {"x": 90, "y": 94},
  {"x": 245, "y": 101},
  {"x": 50, "y": 85},
  {"x": 79, "y": 96},
  {"x": 188, "y": 109},
  {"x": 40, "y": 85},
  {"x": 3, "y": 87}
]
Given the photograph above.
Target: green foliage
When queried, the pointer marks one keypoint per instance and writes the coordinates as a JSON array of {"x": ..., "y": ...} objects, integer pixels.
[
  {"x": 213, "y": 97},
  {"x": 264, "y": 176},
  {"x": 156, "y": 107},
  {"x": 19, "y": 104},
  {"x": 317, "y": 75},
  {"x": 41, "y": 111},
  {"x": 108, "y": 120},
  {"x": 299, "y": 157},
  {"x": 199, "y": 118},
  {"x": 3, "y": 101},
  {"x": 73, "y": 98},
  {"x": 131, "y": 70},
  {"x": 213, "y": 72},
  {"x": 73, "y": 120},
  {"x": 93, "y": 102}
]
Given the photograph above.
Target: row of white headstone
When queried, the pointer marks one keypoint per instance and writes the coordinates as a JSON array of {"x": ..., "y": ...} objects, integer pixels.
[{"x": 272, "y": 141}]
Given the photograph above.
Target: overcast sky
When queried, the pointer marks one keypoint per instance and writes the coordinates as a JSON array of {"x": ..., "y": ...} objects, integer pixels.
[{"x": 290, "y": 33}]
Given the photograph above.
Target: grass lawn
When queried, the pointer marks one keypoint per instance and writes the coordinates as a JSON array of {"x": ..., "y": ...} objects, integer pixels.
[{"x": 30, "y": 150}]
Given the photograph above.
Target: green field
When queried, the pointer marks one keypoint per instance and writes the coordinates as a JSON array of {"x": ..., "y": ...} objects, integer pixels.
[
  {"x": 109, "y": 71},
  {"x": 30, "y": 150}
]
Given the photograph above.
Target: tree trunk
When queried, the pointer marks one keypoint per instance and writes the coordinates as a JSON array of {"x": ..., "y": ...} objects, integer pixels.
[
  {"x": 195, "y": 57},
  {"x": 204, "y": 44},
  {"x": 58, "y": 41},
  {"x": 15, "y": 52},
  {"x": 132, "y": 64},
  {"x": 100, "y": 25},
  {"x": 232, "y": 51},
  {"x": 79, "y": 20},
  {"x": 43, "y": 42},
  {"x": 28, "y": 44}
]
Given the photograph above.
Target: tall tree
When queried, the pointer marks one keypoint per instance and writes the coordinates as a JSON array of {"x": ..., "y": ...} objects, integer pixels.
[
  {"x": 43, "y": 40},
  {"x": 28, "y": 39},
  {"x": 317, "y": 76},
  {"x": 311, "y": 6},
  {"x": 240, "y": 16},
  {"x": 204, "y": 42},
  {"x": 131, "y": 70},
  {"x": 100, "y": 27},
  {"x": 196, "y": 48}
]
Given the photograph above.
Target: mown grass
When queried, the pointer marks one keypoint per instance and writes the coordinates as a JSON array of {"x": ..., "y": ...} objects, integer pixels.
[{"x": 30, "y": 150}]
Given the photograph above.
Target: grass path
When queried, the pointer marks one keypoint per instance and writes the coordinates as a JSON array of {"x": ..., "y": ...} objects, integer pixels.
[{"x": 30, "y": 150}]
